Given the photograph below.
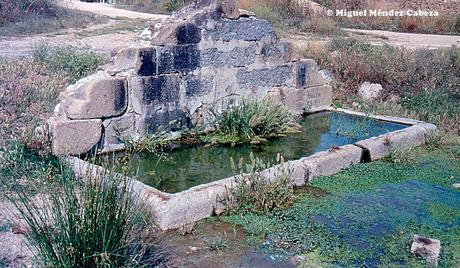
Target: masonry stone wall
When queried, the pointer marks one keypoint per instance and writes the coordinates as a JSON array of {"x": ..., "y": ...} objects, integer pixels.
[{"x": 210, "y": 56}]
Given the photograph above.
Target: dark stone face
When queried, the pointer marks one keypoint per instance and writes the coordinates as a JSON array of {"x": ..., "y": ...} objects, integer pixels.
[
  {"x": 188, "y": 34},
  {"x": 160, "y": 89},
  {"x": 167, "y": 121},
  {"x": 148, "y": 66},
  {"x": 247, "y": 29},
  {"x": 120, "y": 97},
  {"x": 195, "y": 86},
  {"x": 302, "y": 75},
  {"x": 178, "y": 59}
]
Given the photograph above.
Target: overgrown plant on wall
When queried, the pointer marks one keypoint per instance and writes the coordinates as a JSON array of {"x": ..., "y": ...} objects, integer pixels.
[{"x": 258, "y": 190}]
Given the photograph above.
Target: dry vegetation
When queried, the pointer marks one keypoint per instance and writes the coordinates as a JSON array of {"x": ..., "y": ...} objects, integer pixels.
[
  {"x": 424, "y": 84},
  {"x": 40, "y": 16},
  {"x": 154, "y": 6}
]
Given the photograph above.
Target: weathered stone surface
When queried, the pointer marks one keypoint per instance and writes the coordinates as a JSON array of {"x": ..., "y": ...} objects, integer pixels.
[
  {"x": 178, "y": 59},
  {"x": 277, "y": 52},
  {"x": 160, "y": 89},
  {"x": 308, "y": 74},
  {"x": 197, "y": 85},
  {"x": 327, "y": 76},
  {"x": 456, "y": 185},
  {"x": 237, "y": 57},
  {"x": 168, "y": 120},
  {"x": 331, "y": 162},
  {"x": 188, "y": 33},
  {"x": 308, "y": 100},
  {"x": 104, "y": 97},
  {"x": 230, "y": 8},
  {"x": 427, "y": 248},
  {"x": 267, "y": 77},
  {"x": 119, "y": 128},
  {"x": 405, "y": 139},
  {"x": 369, "y": 91},
  {"x": 141, "y": 59},
  {"x": 247, "y": 29},
  {"x": 74, "y": 137}
]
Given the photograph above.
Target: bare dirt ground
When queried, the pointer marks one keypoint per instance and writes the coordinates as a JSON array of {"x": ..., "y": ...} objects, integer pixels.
[{"x": 123, "y": 28}]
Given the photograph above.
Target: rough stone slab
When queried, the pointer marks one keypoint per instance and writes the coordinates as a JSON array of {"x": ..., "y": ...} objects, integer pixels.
[
  {"x": 267, "y": 77},
  {"x": 141, "y": 59},
  {"x": 180, "y": 58},
  {"x": 405, "y": 139},
  {"x": 331, "y": 162},
  {"x": 160, "y": 89},
  {"x": 117, "y": 128},
  {"x": 197, "y": 85},
  {"x": 304, "y": 100},
  {"x": 105, "y": 97},
  {"x": 428, "y": 248},
  {"x": 308, "y": 74},
  {"x": 430, "y": 129},
  {"x": 74, "y": 137},
  {"x": 236, "y": 57},
  {"x": 248, "y": 29},
  {"x": 167, "y": 120}
]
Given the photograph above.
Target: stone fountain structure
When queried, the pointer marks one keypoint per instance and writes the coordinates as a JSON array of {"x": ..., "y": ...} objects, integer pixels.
[{"x": 209, "y": 56}]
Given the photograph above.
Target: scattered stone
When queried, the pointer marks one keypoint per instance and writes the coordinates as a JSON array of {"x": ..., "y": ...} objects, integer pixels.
[
  {"x": 456, "y": 185},
  {"x": 369, "y": 91},
  {"x": 427, "y": 248},
  {"x": 194, "y": 248},
  {"x": 328, "y": 77}
]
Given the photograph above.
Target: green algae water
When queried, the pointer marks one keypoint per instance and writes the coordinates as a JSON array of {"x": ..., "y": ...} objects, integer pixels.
[{"x": 193, "y": 165}]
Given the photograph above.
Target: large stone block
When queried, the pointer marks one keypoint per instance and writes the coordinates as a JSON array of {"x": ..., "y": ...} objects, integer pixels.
[
  {"x": 188, "y": 33},
  {"x": 164, "y": 119},
  {"x": 103, "y": 97},
  {"x": 308, "y": 99},
  {"x": 141, "y": 59},
  {"x": 236, "y": 57},
  {"x": 74, "y": 137},
  {"x": 278, "y": 76},
  {"x": 308, "y": 74},
  {"x": 179, "y": 58},
  {"x": 247, "y": 29},
  {"x": 160, "y": 89},
  {"x": 197, "y": 85},
  {"x": 119, "y": 128}
]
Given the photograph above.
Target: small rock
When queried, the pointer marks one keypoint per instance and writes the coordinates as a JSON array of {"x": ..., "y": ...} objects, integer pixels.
[
  {"x": 218, "y": 211},
  {"x": 246, "y": 13},
  {"x": 194, "y": 248},
  {"x": 456, "y": 185},
  {"x": 19, "y": 230},
  {"x": 427, "y": 248},
  {"x": 328, "y": 77},
  {"x": 369, "y": 91}
]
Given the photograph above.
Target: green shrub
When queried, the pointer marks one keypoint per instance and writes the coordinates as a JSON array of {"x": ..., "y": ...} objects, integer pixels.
[
  {"x": 255, "y": 118},
  {"x": 257, "y": 190},
  {"x": 91, "y": 223},
  {"x": 75, "y": 62}
]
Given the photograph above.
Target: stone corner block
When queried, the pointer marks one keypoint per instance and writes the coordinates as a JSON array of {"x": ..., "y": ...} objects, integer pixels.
[
  {"x": 74, "y": 137},
  {"x": 141, "y": 59},
  {"x": 308, "y": 74},
  {"x": 104, "y": 97},
  {"x": 308, "y": 99}
]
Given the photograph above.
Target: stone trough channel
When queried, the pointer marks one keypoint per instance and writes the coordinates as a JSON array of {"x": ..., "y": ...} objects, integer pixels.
[
  {"x": 173, "y": 210},
  {"x": 206, "y": 58}
]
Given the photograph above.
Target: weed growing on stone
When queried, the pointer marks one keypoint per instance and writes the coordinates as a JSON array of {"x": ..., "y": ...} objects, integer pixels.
[
  {"x": 259, "y": 190},
  {"x": 254, "y": 119}
]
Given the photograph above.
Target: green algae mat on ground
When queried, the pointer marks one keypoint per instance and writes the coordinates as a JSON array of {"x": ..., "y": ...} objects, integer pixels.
[{"x": 366, "y": 216}]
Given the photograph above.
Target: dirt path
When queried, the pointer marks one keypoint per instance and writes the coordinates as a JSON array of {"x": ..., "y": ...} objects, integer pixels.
[
  {"x": 108, "y": 10},
  {"x": 409, "y": 40}
]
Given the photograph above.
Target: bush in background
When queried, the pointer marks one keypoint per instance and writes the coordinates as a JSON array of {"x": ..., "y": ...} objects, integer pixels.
[{"x": 424, "y": 83}]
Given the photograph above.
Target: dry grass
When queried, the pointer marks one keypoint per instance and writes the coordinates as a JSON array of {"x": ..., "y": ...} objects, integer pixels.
[
  {"x": 22, "y": 17},
  {"x": 424, "y": 84}
]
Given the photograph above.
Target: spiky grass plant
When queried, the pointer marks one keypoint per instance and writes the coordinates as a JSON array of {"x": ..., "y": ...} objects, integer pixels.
[
  {"x": 90, "y": 223},
  {"x": 255, "y": 118}
]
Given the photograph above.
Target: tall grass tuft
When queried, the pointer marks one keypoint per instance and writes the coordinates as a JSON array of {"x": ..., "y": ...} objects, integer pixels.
[
  {"x": 259, "y": 190},
  {"x": 92, "y": 223},
  {"x": 255, "y": 118}
]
